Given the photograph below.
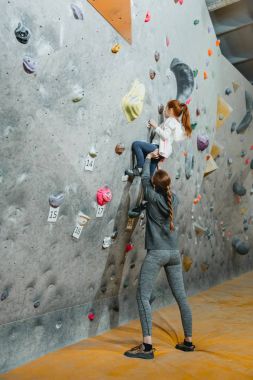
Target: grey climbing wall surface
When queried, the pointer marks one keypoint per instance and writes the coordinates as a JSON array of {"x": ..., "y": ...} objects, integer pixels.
[{"x": 67, "y": 90}]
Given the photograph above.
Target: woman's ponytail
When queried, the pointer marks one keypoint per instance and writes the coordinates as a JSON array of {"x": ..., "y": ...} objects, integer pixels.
[
  {"x": 169, "y": 197},
  {"x": 186, "y": 119}
]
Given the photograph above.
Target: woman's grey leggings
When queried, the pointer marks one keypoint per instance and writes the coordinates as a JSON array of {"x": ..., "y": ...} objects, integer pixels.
[{"x": 171, "y": 261}]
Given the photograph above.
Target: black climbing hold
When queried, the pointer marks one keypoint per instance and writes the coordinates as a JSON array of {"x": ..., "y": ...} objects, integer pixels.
[
  {"x": 241, "y": 247},
  {"x": 36, "y": 304},
  {"x": 238, "y": 189},
  {"x": 103, "y": 289},
  {"x": 228, "y": 91},
  {"x": 132, "y": 266},
  {"x": 4, "y": 295},
  {"x": 185, "y": 79},
  {"x": 251, "y": 164},
  {"x": 116, "y": 307},
  {"x": 157, "y": 56},
  {"x": 22, "y": 33},
  {"x": 244, "y": 124},
  {"x": 160, "y": 109},
  {"x": 77, "y": 12},
  {"x": 29, "y": 65},
  {"x": 189, "y": 165}
]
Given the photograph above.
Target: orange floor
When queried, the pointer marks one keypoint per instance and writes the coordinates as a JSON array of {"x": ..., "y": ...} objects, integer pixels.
[{"x": 223, "y": 334}]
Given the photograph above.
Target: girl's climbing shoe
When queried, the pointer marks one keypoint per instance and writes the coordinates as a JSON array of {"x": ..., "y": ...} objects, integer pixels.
[
  {"x": 140, "y": 353},
  {"x": 185, "y": 346},
  {"x": 133, "y": 172}
]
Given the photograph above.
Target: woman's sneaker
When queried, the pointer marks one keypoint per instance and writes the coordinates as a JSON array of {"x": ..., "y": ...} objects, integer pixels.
[
  {"x": 185, "y": 346},
  {"x": 139, "y": 352},
  {"x": 133, "y": 172}
]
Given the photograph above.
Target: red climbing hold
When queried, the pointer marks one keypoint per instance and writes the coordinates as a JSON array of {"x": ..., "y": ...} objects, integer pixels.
[
  {"x": 148, "y": 17},
  {"x": 104, "y": 195},
  {"x": 129, "y": 247},
  {"x": 91, "y": 316}
]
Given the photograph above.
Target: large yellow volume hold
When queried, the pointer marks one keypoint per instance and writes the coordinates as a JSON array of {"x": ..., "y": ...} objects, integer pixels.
[{"x": 132, "y": 103}]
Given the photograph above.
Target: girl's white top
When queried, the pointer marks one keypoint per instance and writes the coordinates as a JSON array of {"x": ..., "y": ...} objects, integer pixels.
[{"x": 171, "y": 130}]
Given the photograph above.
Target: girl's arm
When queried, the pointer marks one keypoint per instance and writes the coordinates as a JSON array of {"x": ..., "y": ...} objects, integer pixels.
[{"x": 165, "y": 133}]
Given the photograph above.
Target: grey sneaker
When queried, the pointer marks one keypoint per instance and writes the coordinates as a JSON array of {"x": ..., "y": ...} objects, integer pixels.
[
  {"x": 133, "y": 172},
  {"x": 183, "y": 347},
  {"x": 138, "y": 352}
]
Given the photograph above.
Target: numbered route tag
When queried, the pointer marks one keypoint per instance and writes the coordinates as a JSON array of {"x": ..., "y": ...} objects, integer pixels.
[
  {"x": 124, "y": 178},
  {"x": 89, "y": 163},
  {"x": 77, "y": 231},
  {"x": 100, "y": 211},
  {"x": 53, "y": 214}
]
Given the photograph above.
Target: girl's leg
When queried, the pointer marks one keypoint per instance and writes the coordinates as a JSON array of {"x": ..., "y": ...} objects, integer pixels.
[
  {"x": 148, "y": 274},
  {"x": 175, "y": 278},
  {"x": 141, "y": 149}
]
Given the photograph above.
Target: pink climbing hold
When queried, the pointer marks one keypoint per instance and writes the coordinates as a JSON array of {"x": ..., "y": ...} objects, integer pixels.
[
  {"x": 181, "y": 2},
  {"x": 251, "y": 148},
  {"x": 167, "y": 41},
  {"x": 247, "y": 161},
  {"x": 104, "y": 195},
  {"x": 188, "y": 101},
  {"x": 129, "y": 247},
  {"x": 91, "y": 316},
  {"x": 148, "y": 17}
]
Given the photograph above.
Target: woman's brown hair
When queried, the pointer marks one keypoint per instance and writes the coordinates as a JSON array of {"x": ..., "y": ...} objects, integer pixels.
[
  {"x": 161, "y": 180},
  {"x": 181, "y": 109}
]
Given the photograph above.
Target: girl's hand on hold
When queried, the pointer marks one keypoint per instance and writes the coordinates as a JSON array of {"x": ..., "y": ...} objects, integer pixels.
[
  {"x": 154, "y": 154},
  {"x": 152, "y": 124}
]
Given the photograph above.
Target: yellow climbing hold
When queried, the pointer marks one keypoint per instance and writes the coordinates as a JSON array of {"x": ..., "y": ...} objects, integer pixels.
[
  {"x": 132, "y": 103},
  {"x": 116, "y": 48},
  {"x": 211, "y": 165},
  {"x": 224, "y": 110},
  {"x": 187, "y": 263},
  {"x": 216, "y": 150}
]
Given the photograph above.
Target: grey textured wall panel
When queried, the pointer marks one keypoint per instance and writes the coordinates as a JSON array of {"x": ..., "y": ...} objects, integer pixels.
[{"x": 45, "y": 137}]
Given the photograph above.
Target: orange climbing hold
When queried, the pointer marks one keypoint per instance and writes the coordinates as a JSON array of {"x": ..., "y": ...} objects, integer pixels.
[
  {"x": 205, "y": 75},
  {"x": 210, "y": 52},
  {"x": 116, "y": 48},
  {"x": 217, "y": 43}
]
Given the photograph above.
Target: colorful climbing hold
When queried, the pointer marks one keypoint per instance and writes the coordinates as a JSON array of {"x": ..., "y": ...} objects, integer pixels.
[
  {"x": 210, "y": 52},
  {"x": 152, "y": 74},
  {"x": 119, "y": 148},
  {"x": 129, "y": 247},
  {"x": 202, "y": 142},
  {"x": 218, "y": 43},
  {"x": 238, "y": 189},
  {"x": 223, "y": 111},
  {"x": 188, "y": 101},
  {"x": 187, "y": 263},
  {"x": 205, "y": 75},
  {"x": 55, "y": 200},
  {"x": 93, "y": 152},
  {"x": 104, "y": 195},
  {"x": 160, "y": 109},
  {"x": 148, "y": 17},
  {"x": 194, "y": 125},
  {"x": 116, "y": 48},
  {"x": 91, "y": 316},
  {"x": 228, "y": 91},
  {"x": 132, "y": 103},
  {"x": 22, "y": 33},
  {"x": 184, "y": 77},
  {"x": 29, "y": 65},
  {"x": 195, "y": 72},
  {"x": 196, "y": 22},
  {"x": 167, "y": 41},
  {"x": 197, "y": 112}
]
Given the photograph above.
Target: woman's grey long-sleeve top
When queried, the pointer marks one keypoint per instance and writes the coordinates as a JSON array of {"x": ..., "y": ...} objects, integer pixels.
[{"x": 158, "y": 235}]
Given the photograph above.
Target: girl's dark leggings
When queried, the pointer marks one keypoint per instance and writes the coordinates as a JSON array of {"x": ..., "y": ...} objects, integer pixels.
[{"x": 171, "y": 261}]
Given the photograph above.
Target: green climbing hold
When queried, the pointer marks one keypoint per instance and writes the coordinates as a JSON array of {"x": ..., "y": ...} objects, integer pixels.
[
  {"x": 196, "y": 22},
  {"x": 194, "y": 125},
  {"x": 195, "y": 73}
]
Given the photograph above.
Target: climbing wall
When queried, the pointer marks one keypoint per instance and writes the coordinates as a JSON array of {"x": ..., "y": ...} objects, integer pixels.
[{"x": 74, "y": 95}]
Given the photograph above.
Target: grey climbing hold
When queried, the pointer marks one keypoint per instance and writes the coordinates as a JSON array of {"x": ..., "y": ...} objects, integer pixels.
[
  {"x": 233, "y": 127},
  {"x": 160, "y": 109},
  {"x": 4, "y": 295},
  {"x": 152, "y": 74},
  {"x": 22, "y": 33},
  {"x": 29, "y": 65},
  {"x": 55, "y": 200},
  {"x": 241, "y": 247},
  {"x": 238, "y": 189},
  {"x": 202, "y": 142},
  {"x": 178, "y": 174},
  {"x": 243, "y": 153},
  {"x": 36, "y": 304},
  {"x": 107, "y": 242},
  {"x": 228, "y": 91},
  {"x": 77, "y": 12},
  {"x": 230, "y": 161},
  {"x": 157, "y": 56},
  {"x": 196, "y": 22},
  {"x": 185, "y": 79},
  {"x": 248, "y": 101},
  {"x": 189, "y": 165},
  {"x": 244, "y": 124}
]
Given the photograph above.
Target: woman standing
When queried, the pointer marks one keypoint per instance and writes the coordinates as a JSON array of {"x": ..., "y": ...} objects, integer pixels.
[{"x": 162, "y": 251}]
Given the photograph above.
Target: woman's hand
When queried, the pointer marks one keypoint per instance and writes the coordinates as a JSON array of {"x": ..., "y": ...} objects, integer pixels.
[
  {"x": 152, "y": 124},
  {"x": 154, "y": 154}
]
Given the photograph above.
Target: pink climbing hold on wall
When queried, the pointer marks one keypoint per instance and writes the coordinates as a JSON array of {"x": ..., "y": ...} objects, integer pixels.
[
  {"x": 188, "y": 101},
  {"x": 148, "y": 17},
  {"x": 129, "y": 247},
  {"x": 91, "y": 316},
  {"x": 104, "y": 195},
  {"x": 167, "y": 41}
]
